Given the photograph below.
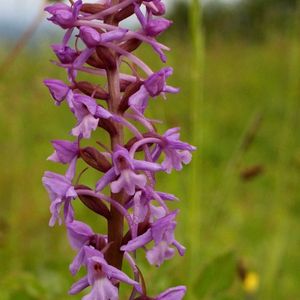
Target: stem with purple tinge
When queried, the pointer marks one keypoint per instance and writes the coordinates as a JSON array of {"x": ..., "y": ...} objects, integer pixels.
[{"x": 116, "y": 223}]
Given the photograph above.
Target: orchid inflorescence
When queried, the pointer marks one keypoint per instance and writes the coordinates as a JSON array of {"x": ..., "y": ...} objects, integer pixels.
[{"x": 128, "y": 168}]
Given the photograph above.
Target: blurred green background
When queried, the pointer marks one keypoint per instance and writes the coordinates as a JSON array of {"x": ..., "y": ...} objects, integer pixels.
[{"x": 239, "y": 76}]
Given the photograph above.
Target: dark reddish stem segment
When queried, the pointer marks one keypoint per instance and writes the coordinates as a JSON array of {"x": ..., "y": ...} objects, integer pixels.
[
  {"x": 116, "y": 223},
  {"x": 115, "y": 234}
]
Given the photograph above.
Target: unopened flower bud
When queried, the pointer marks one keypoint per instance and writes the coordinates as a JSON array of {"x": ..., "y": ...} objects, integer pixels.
[
  {"x": 124, "y": 13},
  {"x": 93, "y": 203},
  {"x": 95, "y": 159},
  {"x": 131, "y": 45},
  {"x": 130, "y": 90},
  {"x": 92, "y": 90},
  {"x": 92, "y": 8},
  {"x": 107, "y": 57},
  {"x": 124, "y": 84},
  {"x": 95, "y": 61}
]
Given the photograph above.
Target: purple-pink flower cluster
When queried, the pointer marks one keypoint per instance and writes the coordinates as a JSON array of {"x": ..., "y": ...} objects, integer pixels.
[{"x": 138, "y": 217}]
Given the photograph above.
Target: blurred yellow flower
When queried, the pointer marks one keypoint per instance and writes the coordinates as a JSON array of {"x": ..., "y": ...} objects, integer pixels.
[{"x": 251, "y": 282}]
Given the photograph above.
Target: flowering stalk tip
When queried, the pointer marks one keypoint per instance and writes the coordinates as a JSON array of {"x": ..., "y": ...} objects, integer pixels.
[{"x": 130, "y": 176}]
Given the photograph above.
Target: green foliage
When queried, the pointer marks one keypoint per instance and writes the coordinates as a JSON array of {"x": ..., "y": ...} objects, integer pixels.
[
  {"x": 251, "y": 20},
  {"x": 21, "y": 286},
  {"x": 217, "y": 276}
]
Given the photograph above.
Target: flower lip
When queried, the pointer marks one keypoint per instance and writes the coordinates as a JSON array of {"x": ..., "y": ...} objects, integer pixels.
[{"x": 98, "y": 270}]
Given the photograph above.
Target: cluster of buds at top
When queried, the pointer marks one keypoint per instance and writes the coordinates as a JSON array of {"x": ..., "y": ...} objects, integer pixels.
[{"x": 137, "y": 215}]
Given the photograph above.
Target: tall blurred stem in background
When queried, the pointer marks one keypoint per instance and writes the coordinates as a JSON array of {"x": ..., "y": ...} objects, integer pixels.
[
  {"x": 282, "y": 241},
  {"x": 22, "y": 41},
  {"x": 197, "y": 76}
]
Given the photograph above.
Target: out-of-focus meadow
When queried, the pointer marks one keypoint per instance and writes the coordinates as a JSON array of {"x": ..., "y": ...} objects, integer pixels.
[{"x": 239, "y": 219}]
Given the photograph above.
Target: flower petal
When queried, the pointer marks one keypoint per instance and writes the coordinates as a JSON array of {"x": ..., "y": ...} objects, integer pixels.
[
  {"x": 175, "y": 293},
  {"x": 138, "y": 242},
  {"x": 78, "y": 286}
]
